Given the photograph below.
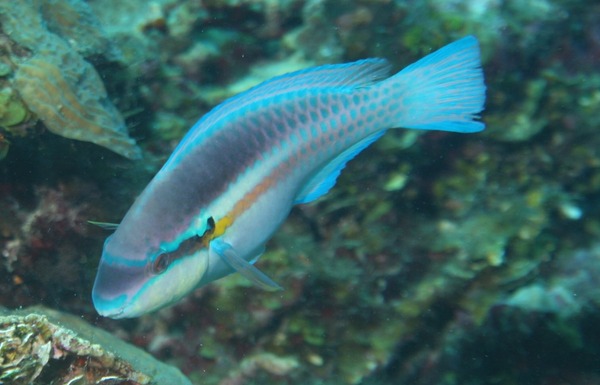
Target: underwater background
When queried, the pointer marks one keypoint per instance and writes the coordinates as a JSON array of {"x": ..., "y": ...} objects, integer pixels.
[{"x": 438, "y": 258}]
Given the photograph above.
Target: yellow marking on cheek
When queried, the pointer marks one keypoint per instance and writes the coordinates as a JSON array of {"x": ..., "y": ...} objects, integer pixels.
[
  {"x": 222, "y": 225},
  {"x": 217, "y": 231}
]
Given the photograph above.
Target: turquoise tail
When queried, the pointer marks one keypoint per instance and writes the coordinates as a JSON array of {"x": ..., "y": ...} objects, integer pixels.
[{"x": 442, "y": 91}]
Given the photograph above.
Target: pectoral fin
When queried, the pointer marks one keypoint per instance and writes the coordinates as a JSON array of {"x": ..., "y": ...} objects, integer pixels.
[{"x": 239, "y": 264}]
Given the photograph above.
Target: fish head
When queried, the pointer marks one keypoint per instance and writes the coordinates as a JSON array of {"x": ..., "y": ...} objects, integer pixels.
[{"x": 137, "y": 276}]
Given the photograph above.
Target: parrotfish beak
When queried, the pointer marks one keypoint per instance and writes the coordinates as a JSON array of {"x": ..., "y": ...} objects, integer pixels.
[
  {"x": 114, "y": 288},
  {"x": 126, "y": 290}
]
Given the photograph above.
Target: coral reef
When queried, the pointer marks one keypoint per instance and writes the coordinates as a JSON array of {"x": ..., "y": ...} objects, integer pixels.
[
  {"x": 551, "y": 321},
  {"x": 42, "y": 346},
  {"x": 44, "y": 42},
  {"x": 437, "y": 259},
  {"x": 43, "y": 241}
]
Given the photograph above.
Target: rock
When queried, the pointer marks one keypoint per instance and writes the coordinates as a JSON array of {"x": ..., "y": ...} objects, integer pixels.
[
  {"x": 50, "y": 42},
  {"x": 44, "y": 346}
]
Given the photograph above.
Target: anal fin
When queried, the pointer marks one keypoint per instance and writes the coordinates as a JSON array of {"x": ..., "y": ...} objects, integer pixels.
[{"x": 325, "y": 179}]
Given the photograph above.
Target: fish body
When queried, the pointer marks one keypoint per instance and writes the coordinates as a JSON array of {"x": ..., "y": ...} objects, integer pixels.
[{"x": 235, "y": 176}]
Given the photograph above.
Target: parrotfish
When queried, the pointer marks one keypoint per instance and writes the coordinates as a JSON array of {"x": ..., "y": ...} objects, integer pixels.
[{"x": 235, "y": 176}]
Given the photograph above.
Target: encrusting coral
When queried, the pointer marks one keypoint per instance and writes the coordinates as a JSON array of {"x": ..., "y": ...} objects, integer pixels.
[{"x": 39, "y": 346}]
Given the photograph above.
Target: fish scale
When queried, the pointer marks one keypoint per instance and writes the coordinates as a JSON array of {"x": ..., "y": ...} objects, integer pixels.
[{"x": 237, "y": 173}]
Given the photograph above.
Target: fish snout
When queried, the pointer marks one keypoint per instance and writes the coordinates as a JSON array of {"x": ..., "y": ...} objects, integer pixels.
[{"x": 115, "y": 286}]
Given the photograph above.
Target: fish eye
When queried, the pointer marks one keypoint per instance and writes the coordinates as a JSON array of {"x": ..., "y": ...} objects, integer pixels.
[{"x": 161, "y": 263}]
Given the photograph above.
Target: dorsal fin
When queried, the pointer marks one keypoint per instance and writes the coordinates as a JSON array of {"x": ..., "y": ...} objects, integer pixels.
[
  {"x": 325, "y": 179},
  {"x": 356, "y": 74}
]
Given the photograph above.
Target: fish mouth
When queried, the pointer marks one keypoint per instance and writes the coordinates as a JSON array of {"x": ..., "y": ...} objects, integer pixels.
[
  {"x": 106, "y": 308},
  {"x": 126, "y": 288},
  {"x": 115, "y": 286}
]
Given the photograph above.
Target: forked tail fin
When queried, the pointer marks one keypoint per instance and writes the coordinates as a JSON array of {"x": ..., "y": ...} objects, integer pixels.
[{"x": 442, "y": 91}]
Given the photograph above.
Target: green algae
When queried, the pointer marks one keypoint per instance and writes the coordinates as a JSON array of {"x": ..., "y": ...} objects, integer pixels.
[{"x": 12, "y": 109}]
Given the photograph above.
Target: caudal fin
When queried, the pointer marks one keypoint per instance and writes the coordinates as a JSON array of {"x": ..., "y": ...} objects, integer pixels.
[{"x": 442, "y": 91}]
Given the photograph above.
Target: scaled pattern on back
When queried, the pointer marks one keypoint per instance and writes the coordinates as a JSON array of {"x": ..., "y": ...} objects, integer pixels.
[{"x": 361, "y": 73}]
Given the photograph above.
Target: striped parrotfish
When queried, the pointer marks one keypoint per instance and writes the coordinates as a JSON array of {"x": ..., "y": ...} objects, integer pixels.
[{"x": 237, "y": 173}]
